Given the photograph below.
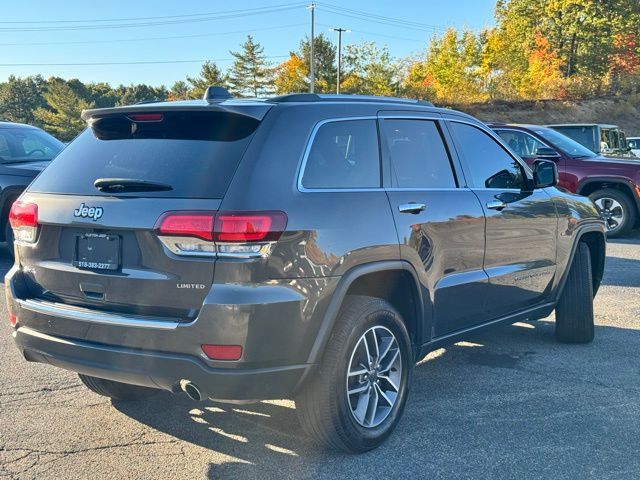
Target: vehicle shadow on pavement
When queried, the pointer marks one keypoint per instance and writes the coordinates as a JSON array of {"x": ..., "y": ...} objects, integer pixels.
[
  {"x": 477, "y": 406},
  {"x": 622, "y": 272}
]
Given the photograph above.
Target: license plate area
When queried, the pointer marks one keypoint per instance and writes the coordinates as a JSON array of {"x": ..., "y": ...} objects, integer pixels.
[{"x": 97, "y": 251}]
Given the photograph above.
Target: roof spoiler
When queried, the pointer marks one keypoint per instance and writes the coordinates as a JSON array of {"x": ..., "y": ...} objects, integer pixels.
[{"x": 255, "y": 111}]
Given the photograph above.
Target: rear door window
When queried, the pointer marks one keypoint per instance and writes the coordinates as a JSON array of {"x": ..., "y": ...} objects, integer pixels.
[
  {"x": 417, "y": 154},
  {"x": 343, "y": 155},
  {"x": 196, "y": 153}
]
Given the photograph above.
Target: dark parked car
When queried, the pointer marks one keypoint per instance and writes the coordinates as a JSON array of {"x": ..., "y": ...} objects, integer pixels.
[
  {"x": 612, "y": 183},
  {"x": 24, "y": 152},
  {"x": 600, "y": 138},
  {"x": 306, "y": 246}
]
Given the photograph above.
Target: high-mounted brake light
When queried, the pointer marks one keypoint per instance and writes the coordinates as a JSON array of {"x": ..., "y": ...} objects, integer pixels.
[
  {"x": 228, "y": 234},
  {"x": 23, "y": 218},
  {"x": 146, "y": 117}
]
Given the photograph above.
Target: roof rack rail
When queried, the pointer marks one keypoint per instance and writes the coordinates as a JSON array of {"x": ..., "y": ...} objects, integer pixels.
[{"x": 330, "y": 97}]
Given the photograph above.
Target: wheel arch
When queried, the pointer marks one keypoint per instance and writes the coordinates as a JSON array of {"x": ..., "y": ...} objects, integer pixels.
[
  {"x": 394, "y": 281},
  {"x": 593, "y": 235},
  {"x": 7, "y": 197},
  {"x": 593, "y": 184}
]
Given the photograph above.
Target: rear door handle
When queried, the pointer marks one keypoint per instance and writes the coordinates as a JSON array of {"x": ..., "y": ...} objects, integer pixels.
[
  {"x": 496, "y": 205},
  {"x": 411, "y": 207}
]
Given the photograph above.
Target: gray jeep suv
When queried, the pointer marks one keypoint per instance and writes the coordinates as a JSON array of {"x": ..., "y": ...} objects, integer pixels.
[{"x": 305, "y": 246}]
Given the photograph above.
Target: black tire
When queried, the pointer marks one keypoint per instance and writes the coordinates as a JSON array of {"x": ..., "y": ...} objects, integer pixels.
[
  {"x": 574, "y": 312},
  {"x": 323, "y": 407},
  {"x": 627, "y": 210},
  {"x": 116, "y": 390},
  {"x": 8, "y": 237}
]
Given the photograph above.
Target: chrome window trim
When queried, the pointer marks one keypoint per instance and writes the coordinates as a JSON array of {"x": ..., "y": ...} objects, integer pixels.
[{"x": 305, "y": 156}]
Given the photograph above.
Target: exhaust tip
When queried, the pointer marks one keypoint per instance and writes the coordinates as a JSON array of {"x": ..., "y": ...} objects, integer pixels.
[{"x": 192, "y": 391}]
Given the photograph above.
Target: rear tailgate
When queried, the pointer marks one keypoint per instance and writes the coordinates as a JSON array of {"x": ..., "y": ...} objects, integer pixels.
[
  {"x": 97, "y": 246},
  {"x": 148, "y": 280}
]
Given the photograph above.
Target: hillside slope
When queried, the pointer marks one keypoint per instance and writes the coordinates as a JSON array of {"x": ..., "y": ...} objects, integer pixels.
[{"x": 623, "y": 111}]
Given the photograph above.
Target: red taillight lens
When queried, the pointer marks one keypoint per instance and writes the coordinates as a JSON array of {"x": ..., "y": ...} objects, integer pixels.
[
  {"x": 187, "y": 224},
  {"x": 13, "y": 319},
  {"x": 23, "y": 218},
  {"x": 23, "y": 215},
  {"x": 222, "y": 352},
  {"x": 146, "y": 117},
  {"x": 241, "y": 227}
]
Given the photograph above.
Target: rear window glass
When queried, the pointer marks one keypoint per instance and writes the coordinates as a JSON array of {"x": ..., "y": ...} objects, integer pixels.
[
  {"x": 196, "y": 153},
  {"x": 344, "y": 154}
]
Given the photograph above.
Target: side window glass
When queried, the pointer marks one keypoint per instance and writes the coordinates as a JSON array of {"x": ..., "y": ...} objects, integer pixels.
[
  {"x": 417, "y": 154},
  {"x": 521, "y": 143},
  {"x": 344, "y": 154},
  {"x": 489, "y": 165}
]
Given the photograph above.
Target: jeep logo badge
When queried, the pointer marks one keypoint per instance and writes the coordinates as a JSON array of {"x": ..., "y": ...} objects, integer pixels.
[{"x": 84, "y": 211}]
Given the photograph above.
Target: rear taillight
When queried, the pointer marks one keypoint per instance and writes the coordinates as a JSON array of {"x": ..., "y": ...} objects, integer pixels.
[
  {"x": 24, "y": 221},
  {"x": 13, "y": 320},
  {"x": 230, "y": 234}
]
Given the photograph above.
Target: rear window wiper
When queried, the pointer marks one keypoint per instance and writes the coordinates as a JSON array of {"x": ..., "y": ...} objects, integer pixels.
[{"x": 129, "y": 185}]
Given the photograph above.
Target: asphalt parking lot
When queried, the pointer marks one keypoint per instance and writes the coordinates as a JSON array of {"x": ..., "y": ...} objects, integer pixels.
[{"x": 510, "y": 403}]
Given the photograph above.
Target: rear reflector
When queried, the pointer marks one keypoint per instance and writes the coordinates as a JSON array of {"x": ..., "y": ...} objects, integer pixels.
[
  {"x": 222, "y": 352},
  {"x": 23, "y": 218},
  {"x": 186, "y": 224},
  {"x": 13, "y": 319}
]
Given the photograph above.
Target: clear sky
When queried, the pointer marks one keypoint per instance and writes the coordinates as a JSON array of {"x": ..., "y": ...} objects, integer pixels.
[{"x": 55, "y": 32}]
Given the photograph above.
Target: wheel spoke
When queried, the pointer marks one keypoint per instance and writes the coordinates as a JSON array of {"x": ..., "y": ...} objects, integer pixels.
[
  {"x": 359, "y": 389},
  {"x": 388, "y": 401},
  {"x": 361, "y": 408},
  {"x": 387, "y": 379},
  {"x": 393, "y": 355},
  {"x": 372, "y": 408},
  {"x": 361, "y": 371},
  {"x": 385, "y": 349}
]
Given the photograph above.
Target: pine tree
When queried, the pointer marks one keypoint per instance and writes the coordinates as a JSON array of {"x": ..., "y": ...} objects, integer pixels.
[
  {"x": 250, "y": 73},
  {"x": 324, "y": 53},
  {"x": 19, "y": 98},
  {"x": 210, "y": 74},
  {"x": 65, "y": 104},
  {"x": 179, "y": 91}
]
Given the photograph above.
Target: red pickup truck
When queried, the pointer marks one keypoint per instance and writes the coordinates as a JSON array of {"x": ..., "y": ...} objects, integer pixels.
[{"x": 612, "y": 183}]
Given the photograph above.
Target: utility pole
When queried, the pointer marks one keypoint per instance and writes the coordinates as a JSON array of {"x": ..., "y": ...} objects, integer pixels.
[
  {"x": 312, "y": 70},
  {"x": 340, "y": 31}
]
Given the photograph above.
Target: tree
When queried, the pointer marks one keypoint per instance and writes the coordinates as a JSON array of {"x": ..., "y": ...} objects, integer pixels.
[
  {"x": 210, "y": 74},
  {"x": 291, "y": 75},
  {"x": 452, "y": 68},
  {"x": 368, "y": 70},
  {"x": 250, "y": 74},
  {"x": 20, "y": 97},
  {"x": 324, "y": 53},
  {"x": 543, "y": 79},
  {"x": 61, "y": 117},
  {"x": 132, "y": 94},
  {"x": 179, "y": 91}
]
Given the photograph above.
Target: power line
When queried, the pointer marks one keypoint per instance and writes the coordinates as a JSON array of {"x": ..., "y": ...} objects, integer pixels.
[
  {"x": 174, "y": 37},
  {"x": 141, "y": 62},
  {"x": 375, "y": 34},
  {"x": 381, "y": 19},
  {"x": 240, "y": 14},
  {"x": 130, "y": 19}
]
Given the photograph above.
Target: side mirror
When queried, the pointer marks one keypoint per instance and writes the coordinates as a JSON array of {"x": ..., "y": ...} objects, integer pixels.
[
  {"x": 547, "y": 152},
  {"x": 545, "y": 174}
]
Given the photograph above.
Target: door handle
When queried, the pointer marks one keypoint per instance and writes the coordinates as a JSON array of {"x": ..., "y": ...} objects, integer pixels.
[
  {"x": 411, "y": 207},
  {"x": 496, "y": 205}
]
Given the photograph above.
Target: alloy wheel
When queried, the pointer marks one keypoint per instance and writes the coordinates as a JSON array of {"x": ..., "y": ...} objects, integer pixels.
[
  {"x": 374, "y": 377},
  {"x": 611, "y": 212}
]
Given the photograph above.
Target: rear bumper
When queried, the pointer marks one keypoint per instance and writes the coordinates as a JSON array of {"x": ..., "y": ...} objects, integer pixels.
[
  {"x": 158, "y": 370},
  {"x": 275, "y": 323}
]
